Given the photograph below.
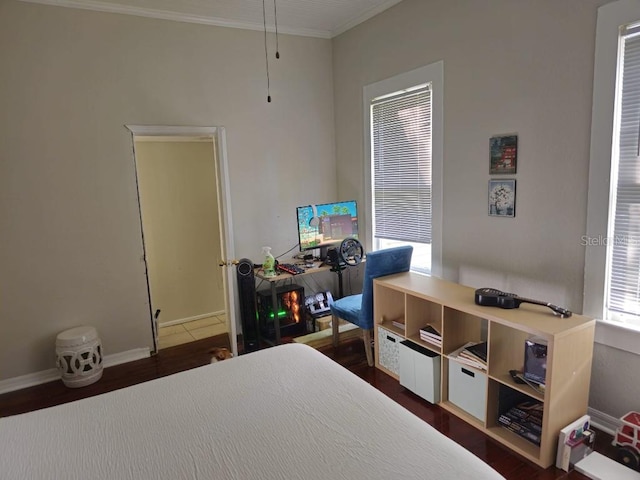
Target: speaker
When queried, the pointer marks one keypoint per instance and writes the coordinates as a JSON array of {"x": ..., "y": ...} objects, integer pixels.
[
  {"x": 333, "y": 256},
  {"x": 248, "y": 311}
]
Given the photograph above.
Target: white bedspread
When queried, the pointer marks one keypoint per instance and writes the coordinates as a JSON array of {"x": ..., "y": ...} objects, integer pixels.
[{"x": 286, "y": 412}]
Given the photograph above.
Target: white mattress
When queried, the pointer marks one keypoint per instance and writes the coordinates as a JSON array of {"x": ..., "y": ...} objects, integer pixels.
[{"x": 286, "y": 412}]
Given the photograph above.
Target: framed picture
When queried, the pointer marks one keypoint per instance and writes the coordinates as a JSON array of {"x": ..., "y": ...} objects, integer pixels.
[
  {"x": 503, "y": 154},
  {"x": 502, "y": 198}
]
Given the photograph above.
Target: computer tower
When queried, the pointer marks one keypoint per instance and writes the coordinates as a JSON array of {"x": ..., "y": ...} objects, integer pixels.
[
  {"x": 290, "y": 310},
  {"x": 248, "y": 311}
]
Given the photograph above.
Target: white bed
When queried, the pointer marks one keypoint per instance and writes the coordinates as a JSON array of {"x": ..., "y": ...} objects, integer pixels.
[{"x": 286, "y": 412}]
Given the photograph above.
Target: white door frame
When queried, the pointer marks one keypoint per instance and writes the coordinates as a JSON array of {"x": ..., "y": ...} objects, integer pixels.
[{"x": 218, "y": 136}]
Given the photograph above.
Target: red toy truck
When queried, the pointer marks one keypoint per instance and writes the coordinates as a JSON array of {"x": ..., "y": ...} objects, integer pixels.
[{"x": 627, "y": 439}]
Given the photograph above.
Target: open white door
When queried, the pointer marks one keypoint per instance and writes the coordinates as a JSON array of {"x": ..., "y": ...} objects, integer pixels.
[
  {"x": 224, "y": 200},
  {"x": 217, "y": 137}
]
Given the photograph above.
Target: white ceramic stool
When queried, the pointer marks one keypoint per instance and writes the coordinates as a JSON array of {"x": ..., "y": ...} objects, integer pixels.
[{"x": 79, "y": 356}]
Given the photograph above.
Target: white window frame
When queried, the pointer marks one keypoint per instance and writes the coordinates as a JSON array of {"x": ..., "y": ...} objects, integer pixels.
[
  {"x": 430, "y": 74},
  {"x": 605, "y": 82}
]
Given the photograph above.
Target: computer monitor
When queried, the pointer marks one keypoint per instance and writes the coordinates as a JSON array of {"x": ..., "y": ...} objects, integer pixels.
[{"x": 325, "y": 225}]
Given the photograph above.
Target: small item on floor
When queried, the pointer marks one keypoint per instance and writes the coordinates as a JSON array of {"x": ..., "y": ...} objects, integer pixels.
[
  {"x": 599, "y": 467},
  {"x": 220, "y": 353}
]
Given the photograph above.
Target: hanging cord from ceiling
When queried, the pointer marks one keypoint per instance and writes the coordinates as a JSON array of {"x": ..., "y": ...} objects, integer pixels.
[
  {"x": 275, "y": 14},
  {"x": 266, "y": 51}
]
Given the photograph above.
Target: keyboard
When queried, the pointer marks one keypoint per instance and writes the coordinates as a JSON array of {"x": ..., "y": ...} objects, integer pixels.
[{"x": 290, "y": 268}]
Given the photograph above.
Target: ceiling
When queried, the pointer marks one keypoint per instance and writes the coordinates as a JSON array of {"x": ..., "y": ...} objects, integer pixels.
[{"x": 313, "y": 18}]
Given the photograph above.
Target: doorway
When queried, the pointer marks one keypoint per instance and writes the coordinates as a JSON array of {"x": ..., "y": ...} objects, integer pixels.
[{"x": 182, "y": 180}]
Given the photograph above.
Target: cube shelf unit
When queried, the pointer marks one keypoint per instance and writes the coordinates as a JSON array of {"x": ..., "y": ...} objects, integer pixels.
[{"x": 406, "y": 302}]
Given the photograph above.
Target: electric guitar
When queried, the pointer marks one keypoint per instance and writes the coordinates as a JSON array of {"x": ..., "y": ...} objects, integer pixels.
[{"x": 496, "y": 298}]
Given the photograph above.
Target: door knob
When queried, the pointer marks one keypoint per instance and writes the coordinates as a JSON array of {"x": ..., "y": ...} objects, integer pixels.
[{"x": 228, "y": 262}]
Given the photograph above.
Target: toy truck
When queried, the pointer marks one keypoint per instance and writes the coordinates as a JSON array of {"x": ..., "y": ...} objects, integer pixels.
[{"x": 627, "y": 440}]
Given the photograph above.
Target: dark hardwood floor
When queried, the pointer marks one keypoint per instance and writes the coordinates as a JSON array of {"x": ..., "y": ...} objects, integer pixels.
[{"x": 349, "y": 354}]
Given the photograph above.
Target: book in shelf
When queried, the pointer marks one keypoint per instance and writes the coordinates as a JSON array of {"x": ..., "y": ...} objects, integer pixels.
[
  {"x": 398, "y": 324},
  {"x": 479, "y": 351},
  {"x": 525, "y": 419},
  {"x": 463, "y": 355},
  {"x": 521, "y": 430},
  {"x": 429, "y": 334}
]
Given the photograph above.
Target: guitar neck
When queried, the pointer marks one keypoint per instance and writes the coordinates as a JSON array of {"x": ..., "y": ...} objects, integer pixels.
[
  {"x": 563, "y": 312},
  {"x": 497, "y": 298}
]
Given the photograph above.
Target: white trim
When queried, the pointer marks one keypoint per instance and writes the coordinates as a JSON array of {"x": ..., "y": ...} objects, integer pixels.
[
  {"x": 51, "y": 375},
  {"x": 610, "y": 18},
  {"x": 125, "y": 357},
  {"x": 224, "y": 184},
  {"x": 29, "y": 380},
  {"x": 218, "y": 135},
  {"x": 189, "y": 319},
  {"x": 603, "y": 421},
  {"x": 618, "y": 335},
  {"x": 98, "y": 6},
  {"x": 171, "y": 131},
  {"x": 434, "y": 74},
  {"x": 168, "y": 139},
  {"x": 364, "y": 17}
]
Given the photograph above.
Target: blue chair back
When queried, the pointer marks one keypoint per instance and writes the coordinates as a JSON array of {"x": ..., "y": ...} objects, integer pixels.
[{"x": 378, "y": 264}]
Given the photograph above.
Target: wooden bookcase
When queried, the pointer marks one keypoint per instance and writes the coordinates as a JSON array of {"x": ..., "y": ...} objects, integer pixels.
[{"x": 406, "y": 302}]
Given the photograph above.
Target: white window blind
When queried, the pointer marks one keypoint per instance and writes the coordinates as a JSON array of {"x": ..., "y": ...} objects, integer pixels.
[
  {"x": 623, "y": 246},
  {"x": 401, "y": 147}
]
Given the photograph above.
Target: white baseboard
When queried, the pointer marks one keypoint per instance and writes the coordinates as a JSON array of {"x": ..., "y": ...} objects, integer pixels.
[
  {"x": 45, "y": 376},
  {"x": 603, "y": 421},
  {"x": 29, "y": 380},
  {"x": 124, "y": 357},
  {"x": 189, "y": 319}
]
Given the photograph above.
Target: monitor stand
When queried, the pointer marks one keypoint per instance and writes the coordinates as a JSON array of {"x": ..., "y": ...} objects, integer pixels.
[{"x": 323, "y": 252}]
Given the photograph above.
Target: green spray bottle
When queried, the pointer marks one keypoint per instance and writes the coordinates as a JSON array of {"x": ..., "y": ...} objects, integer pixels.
[{"x": 269, "y": 264}]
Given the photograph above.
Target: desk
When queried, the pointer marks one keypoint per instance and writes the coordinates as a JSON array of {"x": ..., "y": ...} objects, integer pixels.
[{"x": 281, "y": 276}]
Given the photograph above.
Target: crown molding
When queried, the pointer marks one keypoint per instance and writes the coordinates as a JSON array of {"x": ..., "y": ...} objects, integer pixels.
[
  {"x": 98, "y": 6},
  {"x": 364, "y": 17}
]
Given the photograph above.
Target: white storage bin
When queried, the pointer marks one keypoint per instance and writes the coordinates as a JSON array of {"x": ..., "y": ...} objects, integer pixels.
[
  {"x": 420, "y": 371},
  {"x": 388, "y": 350},
  {"x": 468, "y": 389}
]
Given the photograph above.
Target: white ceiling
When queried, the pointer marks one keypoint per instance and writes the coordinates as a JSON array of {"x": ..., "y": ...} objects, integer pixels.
[{"x": 314, "y": 18}]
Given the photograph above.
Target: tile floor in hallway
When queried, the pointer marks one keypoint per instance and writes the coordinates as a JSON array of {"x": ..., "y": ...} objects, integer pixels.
[{"x": 173, "y": 335}]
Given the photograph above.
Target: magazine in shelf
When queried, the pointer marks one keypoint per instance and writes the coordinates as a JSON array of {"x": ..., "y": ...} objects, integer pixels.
[
  {"x": 479, "y": 351},
  {"x": 525, "y": 419},
  {"x": 429, "y": 334},
  {"x": 463, "y": 356},
  {"x": 398, "y": 324}
]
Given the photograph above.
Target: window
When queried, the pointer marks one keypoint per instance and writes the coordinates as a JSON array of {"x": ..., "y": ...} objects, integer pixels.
[
  {"x": 622, "y": 301},
  {"x": 404, "y": 130},
  {"x": 612, "y": 240}
]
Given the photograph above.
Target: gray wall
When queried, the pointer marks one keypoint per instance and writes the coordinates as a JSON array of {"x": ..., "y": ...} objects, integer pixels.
[
  {"x": 71, "y": 79},
  {"x": 509, "y": 66}
]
